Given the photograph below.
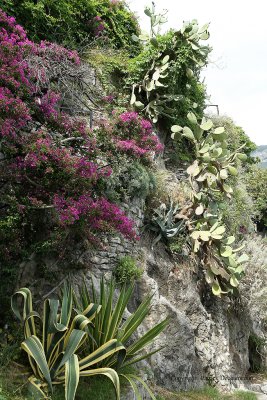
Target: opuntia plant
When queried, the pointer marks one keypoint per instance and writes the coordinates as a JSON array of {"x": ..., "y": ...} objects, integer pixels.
[
  {"x": 149, "y": 95},
  {"x": 208, "y": 176}
]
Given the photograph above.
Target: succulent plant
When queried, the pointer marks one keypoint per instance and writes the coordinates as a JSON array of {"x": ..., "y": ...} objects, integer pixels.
[
  {"x": 164, "y": 222},
  {"x": 148, "y": 94},
  {"x": 208, "y": 175}
]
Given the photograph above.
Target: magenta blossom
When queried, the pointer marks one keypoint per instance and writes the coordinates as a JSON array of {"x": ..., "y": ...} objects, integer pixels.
[
  {"x": 134, "y": 135},
  {"x": 99, "y": 214}
]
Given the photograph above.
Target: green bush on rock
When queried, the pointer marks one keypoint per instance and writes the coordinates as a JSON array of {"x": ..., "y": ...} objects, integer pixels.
[
  {"x": 256, "y": 180},
  {"x": 127, "y": 271}
]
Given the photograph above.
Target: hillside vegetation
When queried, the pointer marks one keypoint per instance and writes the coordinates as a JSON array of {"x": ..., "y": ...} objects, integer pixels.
[{"x": 65, "y": 184}]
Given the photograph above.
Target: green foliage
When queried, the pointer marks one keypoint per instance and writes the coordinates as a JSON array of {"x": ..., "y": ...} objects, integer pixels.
[
  {"x": 208, "y": 175},
  {"x": 110, "y": 324},
  {"x": 164, "y": 223},
  {"x": 243, "y": 395},
  {"x": 10, "y": 249},
  {"x": 10, "y": 336},
  {"x": 111, "y": 67},
  {"x": 256, "y": 180},
  {"x": 75, "y": 23},
  {"x": 21, "y": 234},
  {"x": 53, "y": 358},
  {"x": 165, "y": 76},
  {"x": 100, "y": 386},
  {"x": 256, "y": 347},
  {"x": 180, "y": 153},
  {"x": 205, "y": 393},
  {"x": 127, "y": 271},
  {"x": 177, "y": 244},
  {"x": 236, "y": 137},
  {"x": 237, "y": 213},
  {"x": 130, "y": 179}
]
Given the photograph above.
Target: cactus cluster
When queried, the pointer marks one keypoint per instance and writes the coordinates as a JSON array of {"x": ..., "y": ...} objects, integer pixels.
[
  {"x": 155, "y": 102},
  {"x": 149, "y": 95},
  {"x": 194, "y": 34},
  {"x": 208, "y": 176}
]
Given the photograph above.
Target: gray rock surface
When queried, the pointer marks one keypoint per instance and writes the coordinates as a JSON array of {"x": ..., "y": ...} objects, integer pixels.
[{"x": 207, "y": 337}]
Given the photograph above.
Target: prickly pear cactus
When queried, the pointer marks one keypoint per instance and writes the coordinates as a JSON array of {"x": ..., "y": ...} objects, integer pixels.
[{"x": 208, "y": 176}]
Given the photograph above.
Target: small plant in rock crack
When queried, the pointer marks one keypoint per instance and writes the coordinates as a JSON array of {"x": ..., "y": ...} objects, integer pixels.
[
  {"x": 127, "y": 271},
  {"x": 180, "y": 244}
]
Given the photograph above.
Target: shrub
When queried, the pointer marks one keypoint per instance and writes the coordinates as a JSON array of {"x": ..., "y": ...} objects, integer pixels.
[
  {"x": 130, "y": 134},
  {"x": 134, "y": 135},
  {"x": 52, "y": 174},
  {"x": 127, "y": 271},
  {"x": 130, "y": 179},
  {"x": 41, "y": 160},
  {"x": 256, "y": 345},
  {"x": 256, "y": 181},
  {"x": 111, "y": 67},
  {"x": 238, "y": 212},
  {"x": 178, "y": 243},
  {"x": 236, "y": 136},
  {"x": 77, "y": 22}
]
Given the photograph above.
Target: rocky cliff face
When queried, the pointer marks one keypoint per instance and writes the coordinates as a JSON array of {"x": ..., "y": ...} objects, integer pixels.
[{"x": 207, "y": 339}]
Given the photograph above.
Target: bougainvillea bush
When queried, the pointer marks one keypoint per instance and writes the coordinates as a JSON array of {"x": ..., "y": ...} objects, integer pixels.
[
  {"x": 46, "y": 163},
  {"x": 50, "y": 162},
  {"x": 129, "y": 133},
  {"x": 134, "y": 135}
]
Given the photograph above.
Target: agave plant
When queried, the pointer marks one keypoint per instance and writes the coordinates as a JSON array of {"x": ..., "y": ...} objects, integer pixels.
[
  {"x": 110, "y": 324},
  {"x": 164, "y": 224},
  {"x": 54, "y": 357}
]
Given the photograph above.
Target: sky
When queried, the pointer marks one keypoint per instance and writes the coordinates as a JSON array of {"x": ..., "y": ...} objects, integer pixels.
[{"x": 236, "y": 77}]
